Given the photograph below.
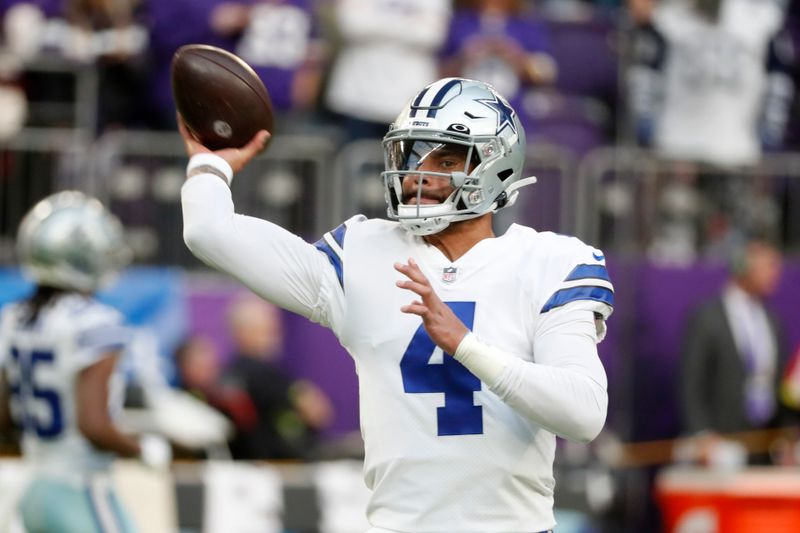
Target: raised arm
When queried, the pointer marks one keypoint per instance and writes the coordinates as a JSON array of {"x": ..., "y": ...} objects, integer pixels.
[{"x": 274, "y": 263}]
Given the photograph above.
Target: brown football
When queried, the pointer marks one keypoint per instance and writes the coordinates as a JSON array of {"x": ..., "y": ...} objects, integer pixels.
[{"x": 222, "y": 100}]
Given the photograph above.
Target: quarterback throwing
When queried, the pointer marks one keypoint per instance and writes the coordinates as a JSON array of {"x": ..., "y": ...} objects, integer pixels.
[{"x": 474, "y": 351}]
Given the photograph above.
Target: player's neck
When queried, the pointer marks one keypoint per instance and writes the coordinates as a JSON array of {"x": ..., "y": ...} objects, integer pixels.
[{"x": 458, "y": 238}]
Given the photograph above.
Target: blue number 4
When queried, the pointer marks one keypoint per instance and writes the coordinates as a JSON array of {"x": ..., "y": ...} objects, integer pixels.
[
  {"x": 27, "y": 385},
  {"x": 459, "y": 416}
]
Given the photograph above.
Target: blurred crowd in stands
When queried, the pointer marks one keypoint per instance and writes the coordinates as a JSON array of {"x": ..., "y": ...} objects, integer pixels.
[
  {"x": 355, "y": 62},
  {"x": 706, "y": 84}
]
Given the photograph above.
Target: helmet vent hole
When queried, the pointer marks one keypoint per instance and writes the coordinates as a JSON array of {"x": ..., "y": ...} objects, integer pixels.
[{"x": 505, "y": 174}]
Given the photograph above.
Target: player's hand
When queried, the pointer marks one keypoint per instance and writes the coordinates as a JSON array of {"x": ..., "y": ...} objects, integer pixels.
[
  {"x": 237, "y": 158},
  {"x": 156, "y": 451},
  {"x": 442, "y": 325}
]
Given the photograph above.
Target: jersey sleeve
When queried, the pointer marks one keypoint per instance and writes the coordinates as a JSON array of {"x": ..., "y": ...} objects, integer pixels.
[
  {"x": 332, "y": 246},
  {"x": 583, "y": 283},
  {"x": 276, "y": 264},
  {"x": 100, "y": 331}
]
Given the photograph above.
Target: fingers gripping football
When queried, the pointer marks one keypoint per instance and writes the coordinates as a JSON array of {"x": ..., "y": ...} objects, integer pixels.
[
  {"x": 237, "y": 158},
  {"x": 442, "y": 325}
]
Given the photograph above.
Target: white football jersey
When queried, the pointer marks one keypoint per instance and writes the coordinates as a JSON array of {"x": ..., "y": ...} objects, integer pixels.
[
  {"x": 442, "y": 452},
  {"x": 715, "y": 79},
  {"x": 42, "y": 361}
]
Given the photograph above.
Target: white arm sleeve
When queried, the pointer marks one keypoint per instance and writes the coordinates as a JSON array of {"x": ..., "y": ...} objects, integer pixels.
[
  {"x": 276, "y": 264},
  {"x": 564, "y": 391}
]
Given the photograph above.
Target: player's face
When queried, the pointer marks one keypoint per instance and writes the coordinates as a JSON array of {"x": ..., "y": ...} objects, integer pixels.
[{"x": 438, "y": 159}]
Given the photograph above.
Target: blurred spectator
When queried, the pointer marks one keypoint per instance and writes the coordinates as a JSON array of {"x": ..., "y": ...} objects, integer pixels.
[
  {"x": 790, "y": 383},
  {"x": 174, "y": 23},
  {"x": 200, "y": 375},
  {"x": 387, "y": 50},
  {"x": 710, "y": 88},
  {"x": 793, "y": 27},
  {"x": 280, "y": 40},
  {"x": 733, "y": 354},
  {"x": 198, "y": 366},
  {"x": 497, "y": 41},
  {"x": 710, "y": 80},
  {"x": 108, "y": 33},
  {"x": 289, "y": 413}
]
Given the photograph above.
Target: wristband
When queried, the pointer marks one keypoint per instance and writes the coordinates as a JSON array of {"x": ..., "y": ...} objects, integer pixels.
[
  {"x": 486, "y": 362},
  {"x": 208, "y": 163}
]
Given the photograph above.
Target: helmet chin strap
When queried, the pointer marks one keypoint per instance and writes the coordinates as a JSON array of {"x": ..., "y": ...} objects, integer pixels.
[
  {"x": 434, "y": 223},
  {"x": 512, "y": 193}
]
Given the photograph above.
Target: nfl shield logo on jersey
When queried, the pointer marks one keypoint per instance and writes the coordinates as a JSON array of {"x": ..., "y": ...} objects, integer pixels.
[{"x": 449, "y": 274}]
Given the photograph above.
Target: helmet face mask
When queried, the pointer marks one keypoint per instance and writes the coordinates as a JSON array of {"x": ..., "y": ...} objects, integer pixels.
[
  {"x": 70, "y": 241},
  {"x": 461, "y": 115}
]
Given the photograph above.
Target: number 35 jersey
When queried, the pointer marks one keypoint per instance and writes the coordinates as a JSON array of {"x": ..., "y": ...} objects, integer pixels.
[
  {"x": 42, "y": 361},
  {"x": 444, "y": 453}
]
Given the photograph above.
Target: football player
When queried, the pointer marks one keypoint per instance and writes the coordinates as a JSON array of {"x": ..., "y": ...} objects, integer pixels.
[
  {"x": 474, "y": 351},
  {"x": 58, "y": 354}
]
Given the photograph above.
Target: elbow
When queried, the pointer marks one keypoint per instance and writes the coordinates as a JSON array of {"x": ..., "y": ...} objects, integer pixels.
[
  {"x": 192, "y": 237},
  {"x": 588, "y": 430},
  {"x": 588, "y": 422},
  {"x": 93, "y": 429},
  {"x": 199, "y": 237},
  {"x": 201, "y": 223}
]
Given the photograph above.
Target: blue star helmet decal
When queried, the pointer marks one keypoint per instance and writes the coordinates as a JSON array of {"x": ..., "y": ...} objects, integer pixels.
[{"x": 505, "y": 115}]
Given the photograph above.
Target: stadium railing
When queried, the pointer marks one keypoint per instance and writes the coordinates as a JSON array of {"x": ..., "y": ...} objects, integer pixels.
[
  {"x": 64, "y": 92},
  {"x": 34, "y": 163},
  {"x": 624, "y": 198},
  {"x": 142, "y": 172}
]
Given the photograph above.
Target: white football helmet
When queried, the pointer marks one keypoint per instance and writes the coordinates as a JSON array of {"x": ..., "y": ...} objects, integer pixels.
[
  {"x": 70, "y": 241},
  {"x": 455, "y": 111}
]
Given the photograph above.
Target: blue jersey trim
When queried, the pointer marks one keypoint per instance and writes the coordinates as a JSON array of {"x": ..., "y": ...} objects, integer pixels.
[
  {"x": 338, "y": 235},
  {"x": 588, "y": 271},
  {"x": 333, "y": 257},
  {"x": 440, "y": 96},
  {"x": 565, "y": 296}
]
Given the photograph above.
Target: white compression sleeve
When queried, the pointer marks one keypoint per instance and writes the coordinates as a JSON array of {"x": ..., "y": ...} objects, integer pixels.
[
  {"x": 274, "y": 263},
  {"x": 564, "y": 391}
]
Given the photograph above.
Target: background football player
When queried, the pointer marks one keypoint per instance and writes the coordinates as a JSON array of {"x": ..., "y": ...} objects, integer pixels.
[{"x": 58, "y": 353}]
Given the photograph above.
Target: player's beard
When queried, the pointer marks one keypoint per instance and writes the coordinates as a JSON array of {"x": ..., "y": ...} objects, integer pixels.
[{"x": 438, "y": 198}]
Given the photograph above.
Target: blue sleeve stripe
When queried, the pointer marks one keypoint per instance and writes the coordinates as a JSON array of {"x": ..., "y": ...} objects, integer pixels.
[
  {"x": 588, "y": 271},
  {"x": 333, "y": 257},
  {"x": 565, "y": 296},
  {"x": 338, "y": 235}
]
